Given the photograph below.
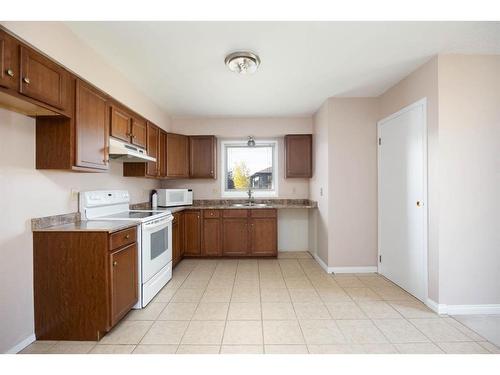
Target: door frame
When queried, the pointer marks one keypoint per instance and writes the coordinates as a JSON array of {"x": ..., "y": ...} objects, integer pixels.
[{"x": 419, "y": 103}]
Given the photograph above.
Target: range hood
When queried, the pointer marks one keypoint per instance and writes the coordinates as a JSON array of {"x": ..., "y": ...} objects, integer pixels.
[{"x": 126, "y": 152}]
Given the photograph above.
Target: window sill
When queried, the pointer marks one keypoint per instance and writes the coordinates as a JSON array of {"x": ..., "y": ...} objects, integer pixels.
[{"x": 243, "y": 194}]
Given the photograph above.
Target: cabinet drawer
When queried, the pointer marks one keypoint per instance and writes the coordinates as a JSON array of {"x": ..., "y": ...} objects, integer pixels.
[
  {"x": 211, "y": 213},
  {"x": 235, "y": 213},
  {"x": 122, "y": 238},
  {"x": 263, "y": 212}
]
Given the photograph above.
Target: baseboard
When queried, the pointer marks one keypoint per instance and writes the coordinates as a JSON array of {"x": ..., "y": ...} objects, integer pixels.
[
  {"x": 321, "y": 263},
  {"x": 21, "y": 345},
  {"x": 463, "y": 309},
  {"x": 368, "y": 269}
]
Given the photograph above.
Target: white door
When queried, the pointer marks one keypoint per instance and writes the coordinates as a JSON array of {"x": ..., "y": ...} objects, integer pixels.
[{"x": 402, "y": 193}]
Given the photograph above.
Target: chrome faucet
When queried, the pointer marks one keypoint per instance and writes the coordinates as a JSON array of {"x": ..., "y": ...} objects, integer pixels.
[{"x": 250, "y": 196}]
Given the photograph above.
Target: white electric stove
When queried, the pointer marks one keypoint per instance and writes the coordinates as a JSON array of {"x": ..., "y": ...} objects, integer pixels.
[{"x": 154, "y": 236}]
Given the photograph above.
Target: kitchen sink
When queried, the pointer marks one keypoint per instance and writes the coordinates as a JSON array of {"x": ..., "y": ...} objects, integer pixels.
[{"x": 250, "y": 204}]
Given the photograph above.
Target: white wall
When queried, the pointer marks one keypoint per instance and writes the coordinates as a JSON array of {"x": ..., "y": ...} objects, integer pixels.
[
  {"x": 352, "y": 173},
  {"x": 241, "y": 128},
  {"x": 318, "y": 185},
  {"x": 469, "y": 148},
  {"x": 26, "y": 193}
]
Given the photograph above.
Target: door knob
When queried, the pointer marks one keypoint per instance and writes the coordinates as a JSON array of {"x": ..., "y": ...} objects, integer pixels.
[
  {"x": 115, "y": 263},
  {"x": 26, "y": 80},
  {"x": 10, "y": 72},
  {"x": 419, "y": 204}
]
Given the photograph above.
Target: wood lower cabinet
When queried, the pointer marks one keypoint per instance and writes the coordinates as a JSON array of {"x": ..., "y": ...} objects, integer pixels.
[
  {"x": 202, "y": 156},
  {"x": 43, "y": 79},
  {"x": 263, "y": 233},
  {"x": 298, "y": 156},
  {"x": 177, "y": 158},
  {"x": 192, "y": 233},
  {"x": 9, "y": 61},
  {"x": 84, "y": 282},
  {"x": 123, "y": 281},
  {"x": 91, "y": 130},
  {"x": 235, "y": 236},
  {"x": 211, "y": 244}
]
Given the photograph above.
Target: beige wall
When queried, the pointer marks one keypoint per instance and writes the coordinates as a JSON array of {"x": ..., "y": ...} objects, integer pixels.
[
  {"x": 230, "y": 128},
  {"x": 26, "y": 193},
  {"x": 423, "y": 83},
  {"x": 318, "y": 185},
  {"x": 352, "y": 182},
  {"x": 469, "y": 148},
  {"x": 58, "y": 41}
]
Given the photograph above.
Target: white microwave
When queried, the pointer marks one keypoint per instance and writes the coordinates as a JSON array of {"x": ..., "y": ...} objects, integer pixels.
[{"x": 174, "y": 197}]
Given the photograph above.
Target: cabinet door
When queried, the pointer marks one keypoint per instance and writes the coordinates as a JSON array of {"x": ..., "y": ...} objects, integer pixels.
[
  {"x": 177, "y": 156},
  {"x": 121, "y": 122},
  {"x": 9, "y": 61},
  {"x": 91, "y": 119},
  {"x": 152, "y": 148},
  {"x": 43, "y": 80},
  {"x": 139, "y": 133},
  {"x": 124, "y": 283},
  {"x": 211, "y": 239},
  {"x": 162, "y": 155},
  {"x": 264, "y": 236},
  {"x": 192, "y": 233},
  {"x": 202, "y": 156},
  {"x": 298, "y": 156},
  {"x": 235, "y": 236}
]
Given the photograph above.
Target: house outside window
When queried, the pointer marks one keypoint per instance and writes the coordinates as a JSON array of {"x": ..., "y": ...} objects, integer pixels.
[{"x": 247, "y": 168}]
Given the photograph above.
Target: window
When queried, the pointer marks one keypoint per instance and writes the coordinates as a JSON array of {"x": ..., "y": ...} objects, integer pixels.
[{"x": 249, "y": 168}]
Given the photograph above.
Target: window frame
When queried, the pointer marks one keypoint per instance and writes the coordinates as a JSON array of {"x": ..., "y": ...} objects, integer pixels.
[{"x": 256, "y": 193}]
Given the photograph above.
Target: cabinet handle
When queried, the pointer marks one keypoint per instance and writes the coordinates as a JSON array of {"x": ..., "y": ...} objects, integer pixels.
[
  {"x": 26, "y": 80},
  {"x": 127, "y": 236},
  {"x": 115, "y": 263},
  {"x": 10, "y": 72}
]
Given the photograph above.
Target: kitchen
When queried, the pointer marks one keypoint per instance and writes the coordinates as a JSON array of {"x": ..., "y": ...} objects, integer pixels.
[{"x": 247, "y": 230}]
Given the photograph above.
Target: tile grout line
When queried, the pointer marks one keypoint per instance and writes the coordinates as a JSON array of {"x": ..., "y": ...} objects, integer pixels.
[{"x": 228, "y": 307}]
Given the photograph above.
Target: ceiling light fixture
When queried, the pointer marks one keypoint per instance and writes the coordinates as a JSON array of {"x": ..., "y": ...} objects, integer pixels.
[{"x": 242, "y": 62}]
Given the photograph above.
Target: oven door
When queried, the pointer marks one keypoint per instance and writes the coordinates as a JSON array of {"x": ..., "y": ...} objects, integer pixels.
[{"x": 156, "y": 246}]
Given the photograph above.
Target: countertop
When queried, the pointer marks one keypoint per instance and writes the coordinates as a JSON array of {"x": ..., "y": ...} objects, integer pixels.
[
  {"x": 229, "y": 205},
  {"x": 89, "y": 226}
]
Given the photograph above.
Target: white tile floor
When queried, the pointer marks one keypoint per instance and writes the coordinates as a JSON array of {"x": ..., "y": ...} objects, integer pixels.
[{"x": 284, "y": 305}]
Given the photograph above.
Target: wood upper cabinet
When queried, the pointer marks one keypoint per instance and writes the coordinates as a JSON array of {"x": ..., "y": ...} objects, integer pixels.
[
  {"x": 202, "y": 156},
  {"x": 123, "y": 275},
  {"x": 120, "y": 123},
  {"x": 211, "y": 244},
  {"x": 263, "y": 233},
  {"x": 177, "y": 156},
  {"x": 43, "y": 79},
  {"x": 9, "y": 61},
  {"x": 91, "y": 127},
  {"x": 162, "y": 155},
  {"x": 153, "y": 139},
  {"x": 298, "y": 156},
  {"x": 138, "y": 135},
  {"x": 192, "y": 233}
]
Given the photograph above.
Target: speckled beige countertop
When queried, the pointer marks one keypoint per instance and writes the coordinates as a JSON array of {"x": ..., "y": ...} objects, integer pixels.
[{"x": 109, "y": 226}]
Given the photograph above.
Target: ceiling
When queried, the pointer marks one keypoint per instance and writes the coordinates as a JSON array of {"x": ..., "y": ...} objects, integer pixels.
[{"x": 180, "y": 65}]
